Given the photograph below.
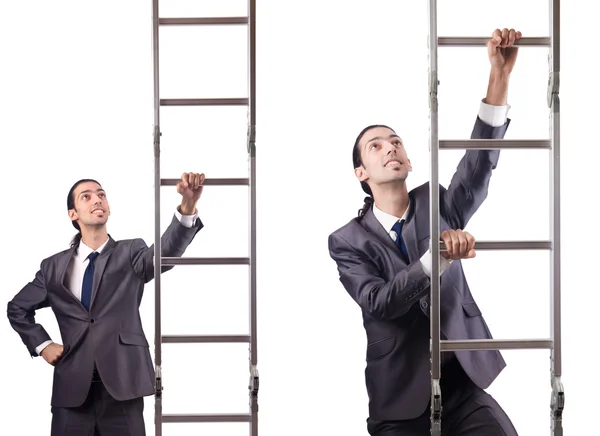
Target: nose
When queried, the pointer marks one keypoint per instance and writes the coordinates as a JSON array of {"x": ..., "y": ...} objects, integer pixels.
[{"x": 388, "y": 147}]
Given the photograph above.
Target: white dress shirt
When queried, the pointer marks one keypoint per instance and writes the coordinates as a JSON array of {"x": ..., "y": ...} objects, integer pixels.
[
  {"x": 79, "y": 263},
  {"x": 495, "y": 116}
]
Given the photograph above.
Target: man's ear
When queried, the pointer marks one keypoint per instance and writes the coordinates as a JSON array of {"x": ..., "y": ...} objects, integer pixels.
[
  {"x": 409, "y": 165},
  {"x": 361, "y": 174},
  {"x": 73, "y": 214}
]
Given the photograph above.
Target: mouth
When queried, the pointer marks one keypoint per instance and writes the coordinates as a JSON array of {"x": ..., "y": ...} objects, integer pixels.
[
  {"x": 390, "y": 163},
  {"x": 98, "y": 211}
]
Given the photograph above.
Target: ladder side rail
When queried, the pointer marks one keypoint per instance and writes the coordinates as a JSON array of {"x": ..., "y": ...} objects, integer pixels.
[
  {"x": 157, "y": 242},
  {"x": 253, "y": 385},
  {"x": 557, "y": 396},
  {"x": 434, "y": 224}
]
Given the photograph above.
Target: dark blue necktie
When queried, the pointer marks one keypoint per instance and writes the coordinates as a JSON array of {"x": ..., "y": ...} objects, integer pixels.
[
  {"x": 88, "y": 278},
  {"x": 399, "y": 240}
]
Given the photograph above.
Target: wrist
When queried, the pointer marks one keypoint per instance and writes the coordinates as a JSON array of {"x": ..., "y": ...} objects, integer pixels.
[{"x": 187, "y": 207}]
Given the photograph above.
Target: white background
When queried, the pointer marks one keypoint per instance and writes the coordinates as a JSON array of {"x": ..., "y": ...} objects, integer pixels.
[{"x": 76, "y": 102}]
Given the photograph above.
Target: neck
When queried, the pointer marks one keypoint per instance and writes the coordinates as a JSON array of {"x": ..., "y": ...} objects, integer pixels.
[
  {"x": 392, "y": 198},
  {"x": 94, "y": 237}
]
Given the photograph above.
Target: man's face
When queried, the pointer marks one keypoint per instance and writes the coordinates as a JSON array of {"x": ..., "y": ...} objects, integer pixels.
[
  {"x": 384, "y": 157},
  {"x": 91, "y": 205}
]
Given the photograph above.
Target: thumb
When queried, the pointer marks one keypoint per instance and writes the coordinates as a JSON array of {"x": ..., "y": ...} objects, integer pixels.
[{"x": 493, "y": 44}]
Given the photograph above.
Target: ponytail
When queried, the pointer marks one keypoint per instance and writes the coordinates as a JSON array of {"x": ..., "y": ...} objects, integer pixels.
[
  {"x": 76, "y": 239},
  {"x": 366, "y": 206}
]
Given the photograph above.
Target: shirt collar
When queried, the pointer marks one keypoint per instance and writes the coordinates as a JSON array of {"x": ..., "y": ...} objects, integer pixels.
[
  {"x": 84, "y": 251},
  {"x": 387, "y": 220}
]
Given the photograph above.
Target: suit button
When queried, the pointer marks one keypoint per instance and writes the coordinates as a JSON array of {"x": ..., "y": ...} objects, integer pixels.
[
  {"x": 92, "y": 321},
  {"x": 424, "y": 304}
]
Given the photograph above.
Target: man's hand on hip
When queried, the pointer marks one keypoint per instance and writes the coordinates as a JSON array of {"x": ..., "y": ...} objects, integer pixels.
[
  {"x": 459, "y": 245},
  {"x": 52, "y": 353}
]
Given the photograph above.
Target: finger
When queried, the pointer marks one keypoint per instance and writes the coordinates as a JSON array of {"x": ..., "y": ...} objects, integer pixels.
[
  {"x": 511, "y": 36},
  {"x": 504, "y": 36},
  {"x": 470, "y": 241},
  {"x": 518, "y": 35},
  {"x": 445, "y": 239},
  {"x": 184, "y": 182},
  {"x": 494, "y": 42},
  {"x": 471, "y": 254},
  {"x": 462, "y": 243},
  {"x": 455, "y": 243},
  {"x": 202, "y": 177}
]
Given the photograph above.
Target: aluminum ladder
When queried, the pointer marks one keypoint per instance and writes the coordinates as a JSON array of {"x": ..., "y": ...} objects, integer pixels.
[
  {"x": 553, "y": 244},
  {"x": 252, "y": 416}
]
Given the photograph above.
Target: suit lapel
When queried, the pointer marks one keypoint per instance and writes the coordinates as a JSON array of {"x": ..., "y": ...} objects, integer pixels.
[
  {"x": 62, "y": 267},
  {"x": 373, "y": 225},
  {"x": 99, "y": 266},
  {"x": 409, "y": 233}
]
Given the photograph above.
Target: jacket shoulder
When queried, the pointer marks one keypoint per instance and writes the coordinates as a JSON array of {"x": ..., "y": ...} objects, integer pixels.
[{"x": 347, "y": 230}]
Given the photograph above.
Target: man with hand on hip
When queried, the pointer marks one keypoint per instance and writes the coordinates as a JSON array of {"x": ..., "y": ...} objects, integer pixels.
[{"x": 94, "y": 288}]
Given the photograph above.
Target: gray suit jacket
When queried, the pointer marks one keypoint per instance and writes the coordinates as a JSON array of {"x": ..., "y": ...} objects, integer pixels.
[
  {"x": 394, "y": 296},
  {"x": 110, "y": 334}
]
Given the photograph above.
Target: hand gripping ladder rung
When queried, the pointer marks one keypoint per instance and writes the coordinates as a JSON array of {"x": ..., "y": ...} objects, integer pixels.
[
  {"x": 252, "y": 416},
  {"x": 553, "y": 145}
]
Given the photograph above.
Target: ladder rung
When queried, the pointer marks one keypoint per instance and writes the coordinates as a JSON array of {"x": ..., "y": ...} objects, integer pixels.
[
  {"x": 467, "y": 41},
  {"x": 494, "y": 144},
  {"x": 205, "y": 21},
  {"x": 205, "y": 339},
  {"x": 172, "y": 261},
  {"x": 210, "y": 182},
  {"x": 217, "y": 417},
  {"x": 508, "y": 245},
  {"x": 495, "y": 344},
  {"x": 204, "y": 102}
]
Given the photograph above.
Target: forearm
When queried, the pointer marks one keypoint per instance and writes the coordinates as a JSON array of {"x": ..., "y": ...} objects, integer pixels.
[
  {"x": 392, "y": 299},
  {"x": 21, "y": 312},
  {"x": 497, "y": 92},
  {"x": 33, "y": 335},
  {"x": 174, "y": 242}
]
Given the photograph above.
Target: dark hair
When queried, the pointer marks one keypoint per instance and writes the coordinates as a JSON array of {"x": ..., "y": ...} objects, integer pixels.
[
  {"x": 357, "y": 162},
  {"x": 71, "y": 205}
]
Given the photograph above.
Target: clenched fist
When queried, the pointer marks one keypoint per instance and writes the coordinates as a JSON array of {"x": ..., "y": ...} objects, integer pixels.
[
  {"x": 190, "y": 189},
  {"x": 190, "y": 186},
  {"x": 52, "y": 353},
  {"x": 459, "y": 245},
  {"x": 501, "y": 49}
]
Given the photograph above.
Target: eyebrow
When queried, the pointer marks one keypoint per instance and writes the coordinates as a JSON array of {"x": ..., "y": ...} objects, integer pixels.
[
  {"x": 89, "y": 190},
  {"x": 378, "y": 138}
]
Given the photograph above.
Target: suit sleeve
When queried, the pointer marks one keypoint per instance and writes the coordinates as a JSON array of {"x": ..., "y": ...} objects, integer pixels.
[
  {"x": 21, "y": 312},
  {"x": 174, "y": 241},
  {"x": 380, "y": 298},
  {"x": 469, "y": 185}
]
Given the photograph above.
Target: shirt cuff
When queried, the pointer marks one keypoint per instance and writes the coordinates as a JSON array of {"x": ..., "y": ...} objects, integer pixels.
[
  {"x": 41, "y": 347},
  {"x": 495, "y": 116},
  {"x": 426, "y": 263},
  {"x": 186, "y": 220}
]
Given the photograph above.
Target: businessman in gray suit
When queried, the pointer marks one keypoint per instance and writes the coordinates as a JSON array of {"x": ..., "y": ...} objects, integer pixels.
[
  {"x": 94, "y": 288},
  {"x": 384, "y": 264}
]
